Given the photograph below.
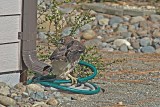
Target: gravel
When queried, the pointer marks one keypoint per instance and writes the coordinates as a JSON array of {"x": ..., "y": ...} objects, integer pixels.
[{"x": 136, "y": 85}]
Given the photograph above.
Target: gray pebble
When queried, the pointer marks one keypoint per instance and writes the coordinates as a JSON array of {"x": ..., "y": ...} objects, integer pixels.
[
  {"x": 145, "y": 41},
  {"x": 148, "y": 49},
  {"x": 155, "y": 18},
  {"x": 115, "y": 19},
  {"x": 86, "y": 27},
  {"x": 123, "y": 48}
]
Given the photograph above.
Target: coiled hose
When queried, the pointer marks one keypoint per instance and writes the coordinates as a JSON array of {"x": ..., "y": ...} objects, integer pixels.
[{"x": 93, "y": 88}]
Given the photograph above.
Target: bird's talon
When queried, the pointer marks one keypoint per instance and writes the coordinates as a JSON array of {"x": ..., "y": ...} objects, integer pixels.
[{"x": 73, "y": 79}]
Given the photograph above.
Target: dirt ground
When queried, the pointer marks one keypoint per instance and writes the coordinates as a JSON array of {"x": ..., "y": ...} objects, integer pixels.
[{"x": 130, "y": 80}]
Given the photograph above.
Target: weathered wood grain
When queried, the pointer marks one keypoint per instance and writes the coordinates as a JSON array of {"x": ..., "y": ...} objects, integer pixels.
[
  {"x": 9, "y": 28},
  {"x": 8, "y": 7},
  {"x": 9, "y": 57}
]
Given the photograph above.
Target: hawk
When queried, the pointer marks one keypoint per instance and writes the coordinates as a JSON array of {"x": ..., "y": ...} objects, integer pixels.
[{"x": 65, "y": 58}]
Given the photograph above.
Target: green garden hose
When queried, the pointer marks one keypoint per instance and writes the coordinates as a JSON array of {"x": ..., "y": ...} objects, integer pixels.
[{"x": 57, "y": 83}]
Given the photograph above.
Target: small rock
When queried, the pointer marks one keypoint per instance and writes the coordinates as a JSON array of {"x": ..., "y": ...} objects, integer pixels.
[
  {"x": 123, "y": 48},
  {"x": 115, "y": 19},
  {"x": 4, "y": 89},
  {"x": 120, "y": 103},
  {"x": 68, "y": 98},
  {"x": 126, "y": 34},
  {"x": 145, "y": 41},
  {"x": 52, "y": 101},
  {"x": 101, "y": 32},
  {"x": 158, "y": 50},
  {"x": 52, "y": 88},
  {"x": 86, "y": 27},
  {"x": 20, "y": 87},
  {"x": 108, "y": 39},
  {"x": 148, "y": 49},
  {"x": 25, "y": 94},
  {"x": 65, "y": 10},
  {"x": 44, "y": 5},
  {"x": 57, "y": 94},
  {"x": 7, "y": 101},
  {"x": 18, "y": 98},
  {"x": 155, "y": 25},
  {"x": 122, "y": 28},
  {"x": 40, "y": 104},
  {"x": 137, "y": 19},
  {"x": 99, "y": 37},
  {"x": 151, "y": 7},
  {"x": 120, "y": 42},
  {"x": 156, "y": 43},
  {"x": 93, "y": 42},
  {"x": 135, "y": 43},
  {"x": 136, "y": 25},
  {"x": 115, "y": 25},
  {"x": 155, "y": 18},
  {"x": 126, "y": 18},
  {"x": 94, "y": 23},
  {"x": 24, "y": 104},
  {"x": 3, "y": 84},
  {"x": 35, "y": 87},
  {"x": 72, "y": 19},
  {"x": 143, "y": 24},
  {"x": 109, "y": 30},
  {"x": 104, "y": 45},
  {"x": 37, "y": 96},
  {"x": 103, "y": 21},
  {"x": 108, "y": 49},
  {"x": 42, "y": 36},
  {"x": 134, "y": 35},
  {"x": 92, "y": 12},
  {"x": 131, "y": 28},
  {"x": 14, "y": 90},
  {"x": 89, "y": 34},
  {"x": 2, "y": 105},
  {"x": 13, "y": 95},
  {"x": 156, "y": 33},
  {"x": 99, "y": 16},
  {"x": 142, "y": 33},
  {"x": 66, "y": 31}
]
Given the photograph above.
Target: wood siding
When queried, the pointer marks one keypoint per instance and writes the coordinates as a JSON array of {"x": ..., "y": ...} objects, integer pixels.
[
  {"x": 10, "y": 25},
  {"x": 11, "y": 78},
  {"x": 10, "y": 7},
  {"x": 10, "y": 57},
  {"x": 9, "y": 28},
  {"x": 10, "y": 45}
]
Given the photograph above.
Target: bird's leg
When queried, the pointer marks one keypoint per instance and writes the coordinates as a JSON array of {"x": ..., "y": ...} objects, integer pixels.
[
  {"x": 73, "y": 79},
  {"x": 67, "y": 74}
]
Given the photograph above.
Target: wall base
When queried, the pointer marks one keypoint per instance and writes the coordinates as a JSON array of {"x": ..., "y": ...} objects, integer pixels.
[{"x": 10, "y": 79}]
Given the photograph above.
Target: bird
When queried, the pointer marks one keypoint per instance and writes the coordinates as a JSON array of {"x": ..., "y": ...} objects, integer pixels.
[{"x": 65, "y": 57}]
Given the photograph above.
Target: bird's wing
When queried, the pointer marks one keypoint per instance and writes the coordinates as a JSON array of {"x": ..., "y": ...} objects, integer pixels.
[
  {"x": 59, "y": 60},
  {"x": 74, "y": 51},
  {"x": 59, "y": 67},
  {"x": 59, "y": 54},
  {"x": 66, "y": 56},
  {"x": 73, "y": 56}
]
